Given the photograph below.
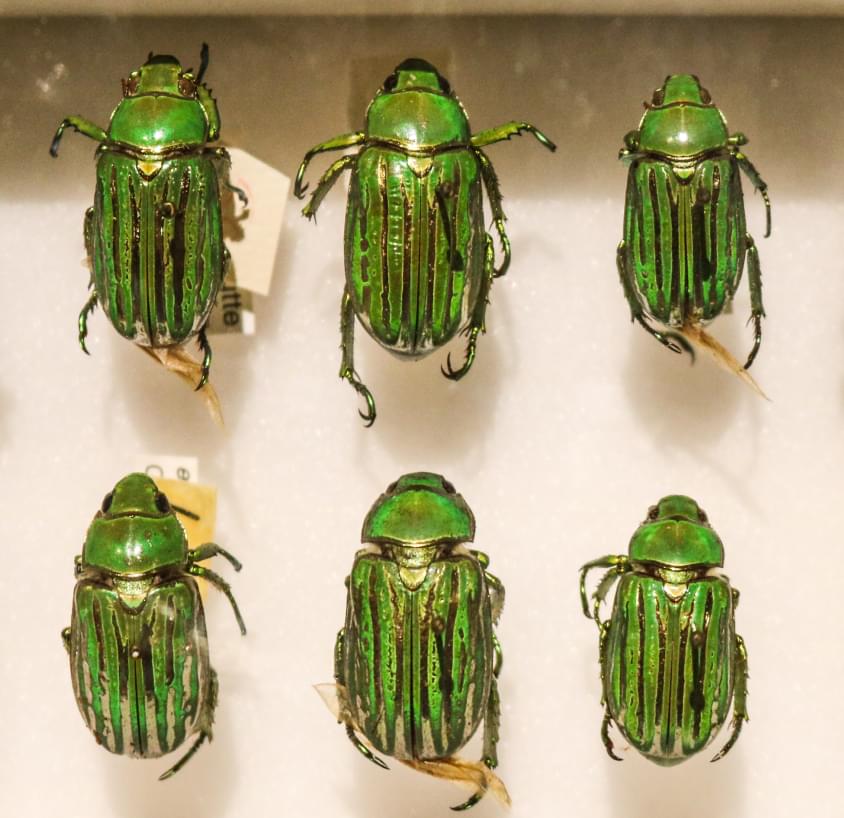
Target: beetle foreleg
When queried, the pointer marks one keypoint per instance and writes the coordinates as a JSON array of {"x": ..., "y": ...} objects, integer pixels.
[
  {"x": 90, "y": 304},
  {"x": 211, "y": 549},
  {"x": 477, "y": 324},
  {"x": 205, "y": 347},
  {"x": 757, "y": 311},
  {"x": 617, "y": 565},
  {"x": 339, "y": 143},
  {"x": 80, "y": 125},
  {"x": 759, "y": 183},
  {"x": 326, "y": 183},
  {"x": 347, "y": 366},
  {"x": 493, "y": 192},
  {"x": 740, "y": 706},
  {"x": 222, "y": 585},
  {"x": 508, "y": 130}
]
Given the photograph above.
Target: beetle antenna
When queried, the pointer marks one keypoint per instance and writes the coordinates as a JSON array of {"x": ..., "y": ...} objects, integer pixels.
[
  {"x": 203, "y": 63},
  {"x": 184, "y": 512}
]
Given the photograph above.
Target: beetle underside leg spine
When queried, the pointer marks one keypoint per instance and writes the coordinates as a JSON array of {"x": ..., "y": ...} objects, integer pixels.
[
  {"x": 493, "y": 192},
  {"x": 605, "y": 736},
  {"x": 347, "y": 366},
  {"x": 89, "y": 307}
]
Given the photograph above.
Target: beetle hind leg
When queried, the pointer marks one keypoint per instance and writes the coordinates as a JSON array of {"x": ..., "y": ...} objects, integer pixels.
[
  {"x": 363, "y": 749},
  {"x": 205, "y": 348},
  {"x": 740, "y": 708},
  {"x": 477, "y": 324},
  {"x": 206, "y": 722},
  {"x": 605, "y": 736},
  {"x": 347, "y": 367},
  {"x": 757, "y": 311},
  {"x": 89, "y": 307}
]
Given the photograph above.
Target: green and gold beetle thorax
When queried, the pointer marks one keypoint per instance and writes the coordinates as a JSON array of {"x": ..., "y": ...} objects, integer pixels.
[
  {"x": 417, "y": 661},
  {"x": 137, "y": 640},
  {"x": 685, "y": 238},
  {"x": 419, "y": 263},
  {"x": 671, "y": 660},
  {"x": 154, "y": 235}
]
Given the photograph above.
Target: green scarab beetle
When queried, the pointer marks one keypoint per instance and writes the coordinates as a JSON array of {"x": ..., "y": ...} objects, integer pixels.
[
  {"x": 419, "y": 263},
  {"x": 685, "y": 237},
  {"x": 417, "y": 661},
  {"x": 671, "y": 660},
  {"x": 155, "y": 233},
  {"x": 137, "y": 641}
]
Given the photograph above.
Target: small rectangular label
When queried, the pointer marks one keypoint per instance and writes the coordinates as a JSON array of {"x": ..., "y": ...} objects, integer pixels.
[
  {"x": 232, "y": 313},
  {"x": 252, "y": 233},
  {"x": 170, "y": 466}
]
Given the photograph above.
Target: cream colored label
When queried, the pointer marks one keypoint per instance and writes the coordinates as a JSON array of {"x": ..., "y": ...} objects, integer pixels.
[
  {"x": 232, "y": 313},
  {"x": 252, "y": 233},
  {"x": 171, "y": 466}
]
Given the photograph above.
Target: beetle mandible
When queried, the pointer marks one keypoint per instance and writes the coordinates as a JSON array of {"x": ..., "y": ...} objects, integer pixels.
[
  {"x": 419, "y": 263},
  {"x": 154, "y": 235},
  {"x": 671, "y": 660},
  {"x": 417, "y": 662},
  {"x": 685, "y": 238},
  {"x": 137, "y": 641}
]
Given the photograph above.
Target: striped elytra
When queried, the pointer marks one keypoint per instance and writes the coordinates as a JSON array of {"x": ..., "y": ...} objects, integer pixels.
[
  {"x": 155, "y": 243},
  {"x": 141, "y": 674},
  {"x": 417, "y": 663},
  {"x": 667, "y": 663},
  {"x": 414, "y": 255}
]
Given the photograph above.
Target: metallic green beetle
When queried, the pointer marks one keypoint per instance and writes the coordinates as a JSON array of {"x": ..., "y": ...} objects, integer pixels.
[
  {"x": 154, "y": 235},
  {"x": 137, "y": 640},
  {"x": 670, "y": 657},
  {"x": 419, "y": 263},
  {"x": 417, "y": 661},
  {"x": 685, "y": 238}
]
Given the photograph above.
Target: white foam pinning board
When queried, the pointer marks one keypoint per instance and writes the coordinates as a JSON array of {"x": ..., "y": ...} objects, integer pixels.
[{"x": 572, "y": 422}]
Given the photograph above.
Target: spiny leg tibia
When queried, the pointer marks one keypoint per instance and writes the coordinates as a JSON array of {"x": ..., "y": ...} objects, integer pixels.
[{"x": 347, "y": 366}]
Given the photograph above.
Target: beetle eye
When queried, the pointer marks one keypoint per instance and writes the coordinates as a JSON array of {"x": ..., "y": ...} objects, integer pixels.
[
  {"x": 702, "y": 515},
  {"x": 448, "y": 486},
  {"x": 445, "y": 85},
  {"x": 653, "y": 512},
  {"x": 162, "y": 503},
  {"x": 107, "y": 502},
  {"x": 705, "y": 96},
  {"x": 659, "y": 97},
  {"x": 391, "y": 82},
  {"x": 130, "y": 86},
  {"x": 187, "y": 87}
]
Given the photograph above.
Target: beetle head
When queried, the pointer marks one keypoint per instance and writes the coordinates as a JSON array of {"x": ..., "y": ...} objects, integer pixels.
[
  {"x": 161, "y": 74},
  {"x": 418, "y": 510},
  {"x": 680, "y": 88},
  {"x": 135, "y": 530},
  {"x": 418, "y": 75},
  {"x": 677, "y": 507}
]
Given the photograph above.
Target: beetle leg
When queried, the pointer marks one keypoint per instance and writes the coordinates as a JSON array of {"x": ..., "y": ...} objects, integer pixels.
[
  {"x": 66, "y": 639},
  {"x": 206, "y": 722},
  {"x": 675, "y": 342},
  {"x": 339, "y": 646},
  {"x": 495, "y": 589},
  {"x": 363, "y": 749},
  {"x": 339, "y": 143},
  {"x": 205, "y": 348},
  {"x": 740, "y": 706},
  {"x": 757, "y": 311},
  {"x": 80, "y": 125},
  {"x": 90, "y": 304},
  {"x": 347, "y": 366},
  {"x": 617, "y": 565},
  {"x": 476, "y": 326},
  {"x": 759, "y": 183},
  {"x": 493, "y": 192},
  {"x": 326, "y": 183},
  {"x": 211, "y": 549},
  {"x": 605, "y": 736},
  {"x": 222, "y": 585},
  {"x": 508, "y": 130}
]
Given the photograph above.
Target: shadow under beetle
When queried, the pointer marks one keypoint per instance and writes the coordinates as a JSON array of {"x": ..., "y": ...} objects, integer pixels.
[
  {"x": 685, "y": 237},
  {"x": 417, "y": 662},
  {"x": 154, "y": 235},
  {"x": 419, "y": 262},
  {"x": 137, "y": 640},
  {"x": 671, "y": 660}
]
